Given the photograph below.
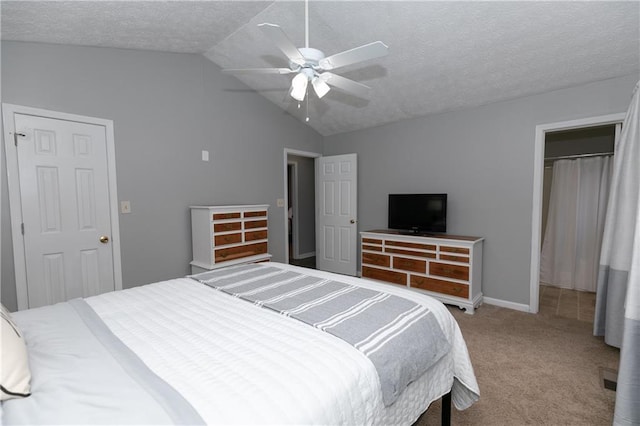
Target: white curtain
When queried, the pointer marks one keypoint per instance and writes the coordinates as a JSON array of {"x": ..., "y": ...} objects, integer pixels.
[
  {"x": 618, "y": 295},
  {"x": 575, "y": 224}
]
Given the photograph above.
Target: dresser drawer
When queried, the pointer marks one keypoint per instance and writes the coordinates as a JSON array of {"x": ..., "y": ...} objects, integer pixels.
[
  {"x": 222, "y": 216},
  {"x": 240, "y": 251},
  {"x": 255, "y": 235},
  {"x": 255, "y": 224},
  {"x": 407, "y": 264},
  {"x": 226, "y": 227},
  {"x": 439, "y": 286},
  {"x": 371, "y": 248},
  {"x": 255, "y": 214},
  {"x": 447, "y": 270},
  {"x": 410, "y": 252},
  {"x": 222, "y": 240},
  {"x": 376, "y": 259},
  {"x": 384, "y": 275},
  {"x": 460, "y": 250},
  {"x": 371, "y": 241},
  {"x": 454, "y": 258},
  {"x": 411, "y": 245}
]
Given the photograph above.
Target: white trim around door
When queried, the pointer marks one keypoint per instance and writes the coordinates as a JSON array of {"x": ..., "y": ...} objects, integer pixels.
[
  {"x": 8, "y": 111},
  {"x": 538, "y": 171}
]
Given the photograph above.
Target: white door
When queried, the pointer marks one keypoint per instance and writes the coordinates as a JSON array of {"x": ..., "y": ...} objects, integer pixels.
[
  {"x": 336, "y": 218},
  {"x": 65, "y": 206}
]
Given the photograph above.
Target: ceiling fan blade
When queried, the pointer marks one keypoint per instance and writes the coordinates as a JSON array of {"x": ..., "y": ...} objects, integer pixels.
[
  {"x": 345, "y": 84},
  {"x": 352, "y": 56},
  {"x": 258, "y": 71},
  {"x": 275, "y": 33}
]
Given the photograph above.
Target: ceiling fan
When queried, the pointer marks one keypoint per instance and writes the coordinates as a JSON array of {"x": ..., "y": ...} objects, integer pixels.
[{"x": 311, "y": 65}]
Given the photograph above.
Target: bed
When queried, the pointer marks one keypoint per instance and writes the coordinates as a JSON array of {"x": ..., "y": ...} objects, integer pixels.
[{"x": 229, "y": 347}]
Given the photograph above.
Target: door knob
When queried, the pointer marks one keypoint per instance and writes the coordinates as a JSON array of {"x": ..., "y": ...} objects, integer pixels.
[
  {"x": 353, "y": 221},
  {"x": 104, "y": 239}
]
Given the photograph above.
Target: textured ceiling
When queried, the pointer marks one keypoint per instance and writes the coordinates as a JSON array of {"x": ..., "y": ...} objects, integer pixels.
[{"x": 442, "y": 55}]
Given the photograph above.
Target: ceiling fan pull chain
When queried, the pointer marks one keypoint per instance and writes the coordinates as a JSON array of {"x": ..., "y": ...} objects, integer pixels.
[{"x": 307, "y": 99}]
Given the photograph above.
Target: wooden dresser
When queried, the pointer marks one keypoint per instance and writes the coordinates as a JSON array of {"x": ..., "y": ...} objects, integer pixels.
[
  {"x": 228, "y": 235},
  {"x": 447, "y": 267}
]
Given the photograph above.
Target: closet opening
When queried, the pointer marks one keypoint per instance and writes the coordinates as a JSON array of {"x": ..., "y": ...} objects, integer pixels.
[
  {"x": 583, "y": 139},
  {"x": 576, "y": 181}
]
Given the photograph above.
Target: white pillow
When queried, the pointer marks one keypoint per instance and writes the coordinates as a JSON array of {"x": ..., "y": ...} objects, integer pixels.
[{"x": 14, "y": 363}]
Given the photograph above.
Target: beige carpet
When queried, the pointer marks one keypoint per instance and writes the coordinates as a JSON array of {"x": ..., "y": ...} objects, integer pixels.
[{"x": 533, "y": 369}]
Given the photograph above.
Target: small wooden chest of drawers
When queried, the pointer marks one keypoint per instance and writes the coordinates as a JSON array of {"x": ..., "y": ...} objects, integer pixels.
[
  {"x": 447, "y": 267},
  {"x": 227, "y": 235}
]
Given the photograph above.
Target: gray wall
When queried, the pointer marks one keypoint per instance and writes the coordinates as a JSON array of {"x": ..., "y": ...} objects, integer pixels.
[
  {"x": 166, "y": 109},
  {"x": 306, "y": 204},
  {"x": 483, "y": 158}
]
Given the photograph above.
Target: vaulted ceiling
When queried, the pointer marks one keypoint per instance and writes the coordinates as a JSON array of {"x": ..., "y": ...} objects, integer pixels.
[{"x": 443, "y": 55}]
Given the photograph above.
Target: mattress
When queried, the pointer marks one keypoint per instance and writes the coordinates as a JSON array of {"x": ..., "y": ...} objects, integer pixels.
[{"x": 179, "y": 351}]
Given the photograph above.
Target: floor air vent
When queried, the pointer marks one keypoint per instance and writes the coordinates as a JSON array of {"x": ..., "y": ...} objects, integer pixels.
[{"x": 608, "y": 378}]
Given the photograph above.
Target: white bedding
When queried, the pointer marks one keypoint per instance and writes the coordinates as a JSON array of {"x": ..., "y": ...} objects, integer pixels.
[{"x": 236, "y": 363}]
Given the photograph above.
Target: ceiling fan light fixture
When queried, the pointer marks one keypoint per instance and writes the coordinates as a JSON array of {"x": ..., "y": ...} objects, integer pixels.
[
  {"x": 311, "y": 65},
  {"x": 320, "y": 86},
  {"x": 299, "y": 86}
]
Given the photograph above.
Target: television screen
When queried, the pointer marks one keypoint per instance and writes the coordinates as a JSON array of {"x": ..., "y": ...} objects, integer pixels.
[{"x": 418, "y": 212}]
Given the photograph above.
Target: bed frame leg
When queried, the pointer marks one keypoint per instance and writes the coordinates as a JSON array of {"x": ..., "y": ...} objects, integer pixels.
[{"x": 446, "y": 409}]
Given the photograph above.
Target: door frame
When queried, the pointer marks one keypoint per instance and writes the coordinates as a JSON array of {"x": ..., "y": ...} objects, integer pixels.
[
  {"x": 15, "y": 201},
  {"x": 293, "y": 180},
  {"x": 538, "y": 174},
  {"x": 287, "y": 152}
]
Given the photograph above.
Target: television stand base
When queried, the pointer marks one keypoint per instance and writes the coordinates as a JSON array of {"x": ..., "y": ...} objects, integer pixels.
[{"x": 447, "y": 267}]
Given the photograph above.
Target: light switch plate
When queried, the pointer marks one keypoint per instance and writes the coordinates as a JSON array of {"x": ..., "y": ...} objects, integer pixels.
[{"x": 205, "y": 155}]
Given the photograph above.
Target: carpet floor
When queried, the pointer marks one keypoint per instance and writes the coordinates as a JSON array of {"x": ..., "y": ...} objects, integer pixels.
[{"x": 541, "y": 369}]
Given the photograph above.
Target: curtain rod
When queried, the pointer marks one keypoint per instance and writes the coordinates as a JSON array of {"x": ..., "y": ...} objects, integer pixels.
[{"x": 568, "y": 157}]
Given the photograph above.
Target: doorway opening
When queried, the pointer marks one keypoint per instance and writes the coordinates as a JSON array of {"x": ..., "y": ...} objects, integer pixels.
[
  {"x": 300, "y": 224},
  {"x": 538, "y": 184},
  {"x": 576, "y": 181}
]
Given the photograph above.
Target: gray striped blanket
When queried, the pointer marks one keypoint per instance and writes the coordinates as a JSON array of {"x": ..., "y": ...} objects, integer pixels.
[{"x": 401, "y": 338}]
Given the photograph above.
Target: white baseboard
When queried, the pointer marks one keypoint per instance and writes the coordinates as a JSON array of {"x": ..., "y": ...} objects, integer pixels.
[
  {"x": 506, "y": 304},
  {"x": 305, "y": 255}
]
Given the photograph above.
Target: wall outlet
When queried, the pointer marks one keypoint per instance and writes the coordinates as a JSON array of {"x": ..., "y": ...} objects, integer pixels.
[
  {"x": 125, "y": 207},
  {"x": 280, "y": 202}
]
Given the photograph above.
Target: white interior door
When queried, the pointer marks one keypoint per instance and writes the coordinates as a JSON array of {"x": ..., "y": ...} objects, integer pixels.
[
  {"x": 336, "y": 218},
  {"x": 65, "y": 206}
]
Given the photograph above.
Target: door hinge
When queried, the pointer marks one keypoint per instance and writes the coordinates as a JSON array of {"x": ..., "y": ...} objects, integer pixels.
[
  {"x": 15, "y": 137},
  {"x": 22, "y": 228}
]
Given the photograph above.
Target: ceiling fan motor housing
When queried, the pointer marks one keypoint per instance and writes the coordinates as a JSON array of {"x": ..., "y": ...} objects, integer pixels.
[{"x": 312, "y": 58}]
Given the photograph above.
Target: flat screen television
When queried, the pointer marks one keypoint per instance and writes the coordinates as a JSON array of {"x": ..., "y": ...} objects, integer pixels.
[{"x": 418, "y": 213}]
